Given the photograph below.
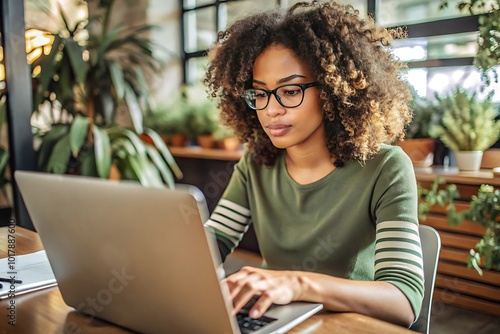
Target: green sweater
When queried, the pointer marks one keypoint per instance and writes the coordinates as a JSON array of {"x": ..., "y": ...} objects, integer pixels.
[{"x": 358, "y": 222}]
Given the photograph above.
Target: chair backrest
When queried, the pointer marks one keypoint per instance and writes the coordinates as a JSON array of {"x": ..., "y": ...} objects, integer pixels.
[{"x": 431, "y": 246}]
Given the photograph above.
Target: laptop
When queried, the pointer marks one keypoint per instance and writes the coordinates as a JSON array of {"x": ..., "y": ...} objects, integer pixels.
[{"x": 138, "y": 257}]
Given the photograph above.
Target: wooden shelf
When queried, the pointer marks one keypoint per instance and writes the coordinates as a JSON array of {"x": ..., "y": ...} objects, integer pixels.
[
  {"x": 198, "y": 152},
  {"x": 453, "y": 175}
]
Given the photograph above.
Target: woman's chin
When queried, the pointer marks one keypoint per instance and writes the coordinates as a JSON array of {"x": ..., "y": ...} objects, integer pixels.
[{"x": 280, "y": 143}]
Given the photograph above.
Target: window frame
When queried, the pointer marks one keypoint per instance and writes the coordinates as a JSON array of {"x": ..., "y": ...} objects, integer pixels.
[{"x": 446, "y": 26}]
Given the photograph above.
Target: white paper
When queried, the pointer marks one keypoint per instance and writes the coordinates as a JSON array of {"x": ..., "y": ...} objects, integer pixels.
[{"x": 33, "y": 269}]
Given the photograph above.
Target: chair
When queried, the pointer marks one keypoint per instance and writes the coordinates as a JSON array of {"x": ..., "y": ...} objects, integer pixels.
[{"x": 431, "y": 245}]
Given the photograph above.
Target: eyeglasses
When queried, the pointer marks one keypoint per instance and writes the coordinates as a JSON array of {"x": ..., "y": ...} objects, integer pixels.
[{"x": 289, "y": 96}]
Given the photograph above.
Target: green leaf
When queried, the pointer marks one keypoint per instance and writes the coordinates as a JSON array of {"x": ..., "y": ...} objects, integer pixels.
[
  {"x": 49, "y": 140},
  {"x": 118, "y": 79},
  {"x": 142, "y": 86},
  {"x": 106, "y": 106},
  {"x": 78, "y": 133},
  {"x": 135, "y": 161},
  {"x": 59, "y": 158},
  {"x": 131, "y": 136},
  {"x": 165, "y": 152},
  {"x": 136, "y": 166},
  {"x": 151, "y": 172},
  {"x": 123, "y": 144},
  {"x": 102, "y": 152},
  {"x": 125, "y": 169},
  {"x": 104, "y": 43},
  {"x": 161, "y": 166},
  {"x": 88, "y": 163},
  {"x": 80, "y": 67},
  {"x": 133, "y": 108},
  {"x": 143, "y": 169}
]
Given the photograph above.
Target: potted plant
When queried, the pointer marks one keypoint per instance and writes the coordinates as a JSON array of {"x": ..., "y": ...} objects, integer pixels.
[
  {"x": 203, "y": 125},
  {"x": 170, "y": 121},
  {"x": 93, "y": 73},
  {"x": 203, "y": 115},
  {"x": 418, "y": 143},
  {"x": 226, "y": 139},
  {"x": 468, "y": 127}
]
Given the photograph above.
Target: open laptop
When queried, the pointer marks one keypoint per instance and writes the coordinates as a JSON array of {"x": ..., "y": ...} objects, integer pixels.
[{"x": 137, "y": 257}]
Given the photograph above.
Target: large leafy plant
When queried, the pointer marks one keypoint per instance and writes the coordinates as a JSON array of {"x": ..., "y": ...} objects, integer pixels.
[{"x": 93, "y": 72}]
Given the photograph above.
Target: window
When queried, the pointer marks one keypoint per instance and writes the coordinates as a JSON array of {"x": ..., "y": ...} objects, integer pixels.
[
  {"x": 397, "y": 12},
  {"x": 202, "y": 19},
  {"x": 441, "y": 43},
  {"x": 200, "y": 29}
]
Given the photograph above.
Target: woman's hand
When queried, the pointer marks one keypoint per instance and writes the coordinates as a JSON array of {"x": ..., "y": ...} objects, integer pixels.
[
  {"x": 377, "y": 299},
  {"x": 272, "y": 286}
]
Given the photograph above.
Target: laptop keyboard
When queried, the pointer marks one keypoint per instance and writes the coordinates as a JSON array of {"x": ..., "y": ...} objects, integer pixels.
[
  {"x": 246, "y": 323},
  {"x": 249, "y": 325}
]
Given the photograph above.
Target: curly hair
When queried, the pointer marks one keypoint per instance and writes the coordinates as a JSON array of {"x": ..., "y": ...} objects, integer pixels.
[{"x": 364, "y": 100}]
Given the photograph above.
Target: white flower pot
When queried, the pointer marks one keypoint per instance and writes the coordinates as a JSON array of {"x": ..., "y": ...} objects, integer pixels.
[{"x": 469, "y": 160}]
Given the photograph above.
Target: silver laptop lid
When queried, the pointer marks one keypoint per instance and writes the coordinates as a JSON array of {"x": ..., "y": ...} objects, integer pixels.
[{"x": 119, "y": 253}]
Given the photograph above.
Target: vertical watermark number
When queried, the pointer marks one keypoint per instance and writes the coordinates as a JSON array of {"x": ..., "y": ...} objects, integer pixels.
[{"x": 11, "y": 271}]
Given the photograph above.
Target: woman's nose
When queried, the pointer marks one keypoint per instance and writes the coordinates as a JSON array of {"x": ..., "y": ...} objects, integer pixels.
[{"x": 274, "y": 108}]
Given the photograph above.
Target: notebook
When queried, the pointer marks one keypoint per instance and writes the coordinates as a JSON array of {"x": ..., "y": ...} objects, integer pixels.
[{"x": 137, "y": 257}]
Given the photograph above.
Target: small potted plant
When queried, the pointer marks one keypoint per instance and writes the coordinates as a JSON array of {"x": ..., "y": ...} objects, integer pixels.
[
  {"x": 204, "y": 116},
  {"x": 170, "y": 120},
  {"x": 468, "y": 126},
  {"x": 204, "y": 124},
  {"x": 418, "y": 143},
  {"x": 226, "y": 139}
]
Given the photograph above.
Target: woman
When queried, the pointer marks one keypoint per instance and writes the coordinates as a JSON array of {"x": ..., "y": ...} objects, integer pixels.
[{"x": 315, "y": 94}]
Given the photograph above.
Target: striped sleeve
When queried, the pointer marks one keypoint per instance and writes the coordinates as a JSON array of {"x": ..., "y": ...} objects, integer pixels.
[
  {"x": 398, "y": 259},
  {"x": 229, "y": 222}
]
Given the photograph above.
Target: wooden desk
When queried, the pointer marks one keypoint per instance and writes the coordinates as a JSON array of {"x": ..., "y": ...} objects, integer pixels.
[{"x": 44, "y": 311}]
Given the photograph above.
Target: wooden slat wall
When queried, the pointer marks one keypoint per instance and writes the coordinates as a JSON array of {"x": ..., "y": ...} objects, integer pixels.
[{"x": 455, "y": 283}]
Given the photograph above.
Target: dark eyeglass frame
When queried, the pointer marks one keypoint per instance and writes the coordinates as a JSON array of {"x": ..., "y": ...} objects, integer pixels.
[{"x": 303, "y": 87}]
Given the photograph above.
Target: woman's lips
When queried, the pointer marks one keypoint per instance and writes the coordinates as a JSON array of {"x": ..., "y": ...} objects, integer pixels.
[{"x": 278, "y": 130}]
